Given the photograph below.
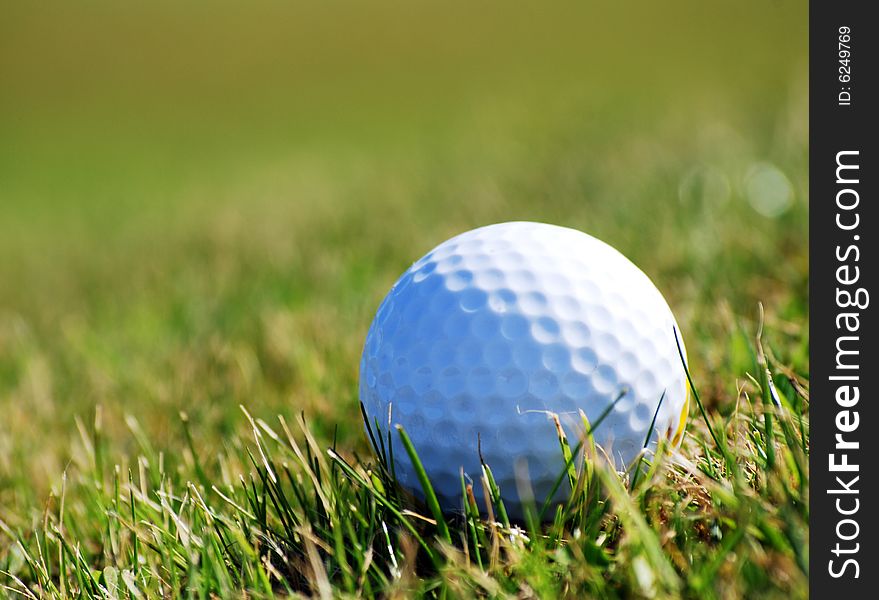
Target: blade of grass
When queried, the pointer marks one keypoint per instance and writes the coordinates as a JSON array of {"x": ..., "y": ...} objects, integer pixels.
[
  {"x": 429, "y": 494},
  {"x": 640, "y": 460}
]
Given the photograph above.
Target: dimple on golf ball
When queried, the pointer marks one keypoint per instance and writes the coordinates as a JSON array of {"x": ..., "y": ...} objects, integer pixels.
[{"x": 493, "y": 331}]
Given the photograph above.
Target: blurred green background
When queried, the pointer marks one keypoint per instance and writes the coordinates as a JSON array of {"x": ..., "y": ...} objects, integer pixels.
[{"x": 201, "y": 206}]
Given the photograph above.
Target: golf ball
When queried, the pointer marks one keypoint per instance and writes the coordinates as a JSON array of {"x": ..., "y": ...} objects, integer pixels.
[{"x": 492, "y": 332}]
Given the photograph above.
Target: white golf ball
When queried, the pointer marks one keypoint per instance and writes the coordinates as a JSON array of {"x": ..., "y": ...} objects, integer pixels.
[{"x": 495, "y": 330}]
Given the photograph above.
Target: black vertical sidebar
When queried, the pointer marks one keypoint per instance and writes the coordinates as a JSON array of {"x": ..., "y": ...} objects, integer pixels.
[{"x": 843, "y": 229}]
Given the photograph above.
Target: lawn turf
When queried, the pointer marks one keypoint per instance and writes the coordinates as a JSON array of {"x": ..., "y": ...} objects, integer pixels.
[{"x": 200, "y": 214}]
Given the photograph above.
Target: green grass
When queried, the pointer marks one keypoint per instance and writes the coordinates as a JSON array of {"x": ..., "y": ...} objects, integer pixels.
[
  {"x": 206, "y": 218},
  {"x": 724, "y": 521}
]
